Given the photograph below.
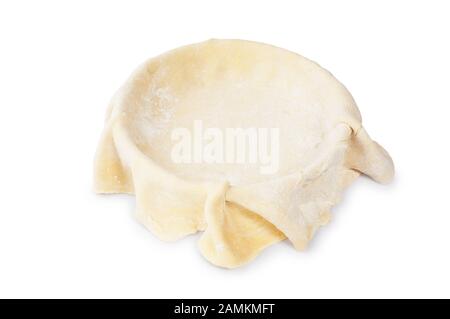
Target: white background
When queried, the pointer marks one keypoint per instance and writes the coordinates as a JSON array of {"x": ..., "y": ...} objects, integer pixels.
[{"x": 61, "y": 61}]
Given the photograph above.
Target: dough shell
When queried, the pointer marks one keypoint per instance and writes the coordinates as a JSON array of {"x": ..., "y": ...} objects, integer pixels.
[{"x": 235, "y": 83}]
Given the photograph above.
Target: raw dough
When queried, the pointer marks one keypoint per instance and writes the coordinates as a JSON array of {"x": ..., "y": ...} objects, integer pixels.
[{"x": 229, "y": 84}]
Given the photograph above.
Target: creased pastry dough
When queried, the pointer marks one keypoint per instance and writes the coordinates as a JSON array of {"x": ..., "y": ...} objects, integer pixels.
[{"x": 235, "y": 83}]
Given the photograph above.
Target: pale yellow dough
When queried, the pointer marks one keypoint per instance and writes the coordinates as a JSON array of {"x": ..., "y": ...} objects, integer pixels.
[{"x": 235, "y": 83}]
